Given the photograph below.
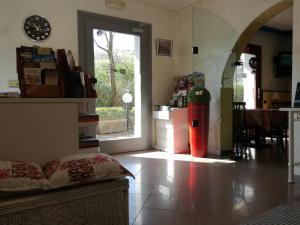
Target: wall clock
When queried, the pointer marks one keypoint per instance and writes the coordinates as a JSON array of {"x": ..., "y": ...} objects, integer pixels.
[
  {"x": 37, "y": 28},
  {"x": 253, "y": 64}
]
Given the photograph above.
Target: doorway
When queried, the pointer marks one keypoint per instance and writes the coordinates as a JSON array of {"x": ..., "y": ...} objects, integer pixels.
[
  {"x": 227, "y": 78},
  {"x": 247, "y": 78},
  {"x": 118, "y": 53}
]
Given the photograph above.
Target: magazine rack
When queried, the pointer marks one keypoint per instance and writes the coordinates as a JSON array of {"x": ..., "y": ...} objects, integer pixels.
[{"x": 38, "y": 73}]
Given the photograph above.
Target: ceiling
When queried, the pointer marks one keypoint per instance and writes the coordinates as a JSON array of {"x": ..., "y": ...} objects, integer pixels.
[
  {"x": 282, "y": 21},
  {"x": 170, "y": 4}
]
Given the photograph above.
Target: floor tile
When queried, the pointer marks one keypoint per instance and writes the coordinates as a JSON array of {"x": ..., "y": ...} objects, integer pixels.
[
  {"x": 148, "y": 180},
  {"x": 166, "y": 190},
  {"x": 161, "y": 202},
  {"x": 228, "y": 220},
  {"x": 133, "y": 212},
  {"x": 155, "y": 217},
  {"x": 137, "y": 199},
  {"x": 208, "y": 191},
  {"x": 139, "y": 188},
  {"x": 193, "y": 218}
]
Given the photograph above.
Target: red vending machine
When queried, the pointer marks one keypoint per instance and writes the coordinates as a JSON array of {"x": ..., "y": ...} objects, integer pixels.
[{"x": 198, "y": 119}]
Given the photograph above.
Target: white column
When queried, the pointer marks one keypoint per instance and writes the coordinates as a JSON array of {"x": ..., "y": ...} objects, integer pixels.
[
  {"x": 291, "y": 148},
  {"x": 296, "y": 75},
  {"x": 137, "y": 87}
]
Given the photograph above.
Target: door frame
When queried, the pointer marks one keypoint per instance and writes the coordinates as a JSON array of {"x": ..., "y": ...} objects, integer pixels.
[{"x": 86, "y": 20}]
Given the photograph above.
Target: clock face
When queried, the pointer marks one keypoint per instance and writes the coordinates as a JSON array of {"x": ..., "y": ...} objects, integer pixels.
[{"x": 37, "y": 28}]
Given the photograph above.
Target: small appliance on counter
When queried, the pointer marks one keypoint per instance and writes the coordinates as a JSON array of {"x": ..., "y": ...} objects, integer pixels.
[{"x": 162, "y": 108}]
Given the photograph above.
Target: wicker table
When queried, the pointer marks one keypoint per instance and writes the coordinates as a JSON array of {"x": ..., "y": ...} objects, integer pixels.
[{"x": 104, "y": 203}]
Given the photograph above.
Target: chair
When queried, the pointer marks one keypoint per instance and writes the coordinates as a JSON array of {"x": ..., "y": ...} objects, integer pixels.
[
  {"x": 279, "y": 127},
  {"x": 275, "y": 105},
  {"x": 282, "y": 104},
  {"x": 239, "y": 128}
]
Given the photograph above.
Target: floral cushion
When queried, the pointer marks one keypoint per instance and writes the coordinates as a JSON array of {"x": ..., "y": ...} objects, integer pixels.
[
  {"x": 83, "y": 168},
  {"x": 20, "y": 176}
]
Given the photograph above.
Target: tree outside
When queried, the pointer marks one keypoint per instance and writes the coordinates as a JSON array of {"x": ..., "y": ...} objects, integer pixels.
[{"x": 114, "y": 70}]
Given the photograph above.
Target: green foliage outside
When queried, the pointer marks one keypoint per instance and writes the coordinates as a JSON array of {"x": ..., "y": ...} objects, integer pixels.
[
  {"x": 113, "y": 113},
  {"x": 124, "y": 67},
  {"x": 238, "y": 92}
]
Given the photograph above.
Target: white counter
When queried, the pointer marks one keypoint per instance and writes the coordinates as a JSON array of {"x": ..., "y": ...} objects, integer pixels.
[
  {"x": 172, "y": 130},
  {"x": 41, "y": 129},
  {"x": 292, "y": 152}
]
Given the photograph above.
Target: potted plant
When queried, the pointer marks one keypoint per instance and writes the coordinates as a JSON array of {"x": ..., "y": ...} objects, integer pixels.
[{"x": 199, "y": 95}]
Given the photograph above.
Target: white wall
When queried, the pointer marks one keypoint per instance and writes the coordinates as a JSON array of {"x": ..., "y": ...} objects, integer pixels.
[
  {"x": 272, "y": 44},
  {"x": 62, "y": 14}
]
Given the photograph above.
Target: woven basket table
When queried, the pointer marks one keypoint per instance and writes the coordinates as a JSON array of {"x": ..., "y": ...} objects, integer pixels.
[
  {"x": 104, "y": 203},
  {"x": 281, "y": 215}
]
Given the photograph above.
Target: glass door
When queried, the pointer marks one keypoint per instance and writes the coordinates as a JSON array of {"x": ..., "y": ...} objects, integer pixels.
[{"x": 117, "y": 54}]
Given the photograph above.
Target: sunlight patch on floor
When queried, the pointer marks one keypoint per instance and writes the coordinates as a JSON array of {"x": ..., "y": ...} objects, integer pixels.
[{"x": 180, "y": 157}]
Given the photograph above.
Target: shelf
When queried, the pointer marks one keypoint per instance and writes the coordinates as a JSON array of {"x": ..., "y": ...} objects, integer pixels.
[
  {"x": 88, "y": 118},
  {"x": 86, "y": 147},
  {"x": 88, "y": 143},
  {"x": 46, "y": 100},
  {"x": 81, "y": 146},
  {"x": 83, "y": 124}
]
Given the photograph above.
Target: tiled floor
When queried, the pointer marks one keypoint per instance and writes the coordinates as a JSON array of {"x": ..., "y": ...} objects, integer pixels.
[{"x": 185, "y": 191}]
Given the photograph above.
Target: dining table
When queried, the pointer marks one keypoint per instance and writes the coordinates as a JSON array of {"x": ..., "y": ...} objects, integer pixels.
[{"x": 263, "y": 121}]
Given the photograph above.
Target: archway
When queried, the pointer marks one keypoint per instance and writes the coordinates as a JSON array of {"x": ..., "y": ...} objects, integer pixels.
[{"x": 227, "y": 77}]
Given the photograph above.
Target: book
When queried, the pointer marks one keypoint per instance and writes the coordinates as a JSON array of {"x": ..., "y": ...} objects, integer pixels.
[
  {"x": 84, "y": 136},
  {"x": 26, "y": 53},
  {"x": 88, "y": 146},
  {"x": 44, "y": 51},
  {"x": 88, "y": 117},
  {"x": 47, "y": 65},
  {"x": 88, "y": 143},
  {"x": 49, "y": 77},
  {"x": 32, "y": 76}
]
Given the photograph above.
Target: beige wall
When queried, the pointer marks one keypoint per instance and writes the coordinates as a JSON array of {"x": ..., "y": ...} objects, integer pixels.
[
  {"x": 271, "y": 45},
  {"x": 212, "y": 35},
  {"x": 178, "y": 26},
  {"x": 183, "y": 59},
  {"x": 233, "y": 14},
  {"x": 62, "y": 14}
]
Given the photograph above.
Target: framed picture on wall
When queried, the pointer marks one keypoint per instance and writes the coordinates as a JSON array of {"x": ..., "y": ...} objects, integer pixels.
[{"x": 164, "y": 47}]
